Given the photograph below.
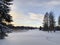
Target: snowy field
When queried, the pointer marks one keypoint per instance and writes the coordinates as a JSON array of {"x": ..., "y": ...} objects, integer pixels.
[{"x": 32, "y": 37}]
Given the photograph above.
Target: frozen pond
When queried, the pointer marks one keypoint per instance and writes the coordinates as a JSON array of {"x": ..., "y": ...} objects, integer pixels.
[{"x": 32, "y": 37}]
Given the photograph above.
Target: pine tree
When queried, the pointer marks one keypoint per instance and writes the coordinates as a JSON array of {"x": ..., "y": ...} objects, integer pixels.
[
  {"x": 5, "y": 17},
  {"x": 59, "y": 20},
  {"x": 51, "y": 21},
  {"x": 4, "y": 11},
  {"x": 45, "y": 21}
]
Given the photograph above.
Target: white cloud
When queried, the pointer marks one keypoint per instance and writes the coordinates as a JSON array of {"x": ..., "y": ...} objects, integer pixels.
[
  {"x": 34, "y": 16},
  {"x": 52, "y": 3},
  {"x": 34, "y": 3},
  {"x": 31, "y": 19}
]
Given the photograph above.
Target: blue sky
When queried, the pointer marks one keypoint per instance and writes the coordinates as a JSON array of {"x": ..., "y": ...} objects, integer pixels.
[{"x": 31, "y": 12}]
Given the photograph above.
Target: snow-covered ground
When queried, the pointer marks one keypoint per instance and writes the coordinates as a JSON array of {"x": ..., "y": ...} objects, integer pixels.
[{"x": 32, "y": 37}]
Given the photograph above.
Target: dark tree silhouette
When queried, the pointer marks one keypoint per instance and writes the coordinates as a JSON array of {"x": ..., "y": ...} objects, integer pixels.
[
  {"x": 5, "y": 17},
  {"x": 40, "y": 28},
  {"x": 45, "y": 21},
  {"x": 59, "y": 20},
  {"x": 51, "y": 21},
  {"x": 4, "y": 11}
]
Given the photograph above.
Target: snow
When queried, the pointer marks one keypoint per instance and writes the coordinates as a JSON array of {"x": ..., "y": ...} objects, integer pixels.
[{"x": 32, "y": 37}]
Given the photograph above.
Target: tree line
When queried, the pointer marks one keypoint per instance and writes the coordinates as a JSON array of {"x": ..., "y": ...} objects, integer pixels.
[{"x": 49, "y": 23}]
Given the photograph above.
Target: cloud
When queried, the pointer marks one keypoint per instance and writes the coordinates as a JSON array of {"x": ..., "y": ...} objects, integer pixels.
[
  {"x": 26, "y": 3},
  {"x": 26, "y": 6},
  {"x": 30, "y": 12},
  {"x": 52, "y": 3},
  {"x": 36, "y": 16},
  {"x": 31, "y": 19}
]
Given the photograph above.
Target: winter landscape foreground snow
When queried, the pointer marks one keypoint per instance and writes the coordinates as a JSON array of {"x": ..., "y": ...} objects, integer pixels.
[{"x": 32, "y": 37}]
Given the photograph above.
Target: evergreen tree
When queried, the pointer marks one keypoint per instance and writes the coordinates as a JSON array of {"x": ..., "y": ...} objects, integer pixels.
[
  {"x": 59, "y": 20},
  {"x": 4, "y": 11},
  {"x": 51, "y": 21},
  {"x": 5, "y": 17},
  {"x": 40, "y": 28},
  {"x": 45, "y": 21}
]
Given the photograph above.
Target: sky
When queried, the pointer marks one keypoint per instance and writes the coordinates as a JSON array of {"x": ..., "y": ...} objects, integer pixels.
[{"x": 31, "y": 12}]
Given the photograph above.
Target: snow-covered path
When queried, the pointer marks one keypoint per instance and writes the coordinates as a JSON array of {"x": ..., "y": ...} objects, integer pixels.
[{"x": 32, "y": 37}]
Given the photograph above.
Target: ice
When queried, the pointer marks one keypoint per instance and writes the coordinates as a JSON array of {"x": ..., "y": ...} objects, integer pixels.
[{"x": 32, "y": 37}]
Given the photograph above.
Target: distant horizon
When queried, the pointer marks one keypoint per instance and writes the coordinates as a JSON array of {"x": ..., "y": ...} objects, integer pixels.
[
  {"x": 31, "y": 12},
  {"x": 27, "y": 26}
]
